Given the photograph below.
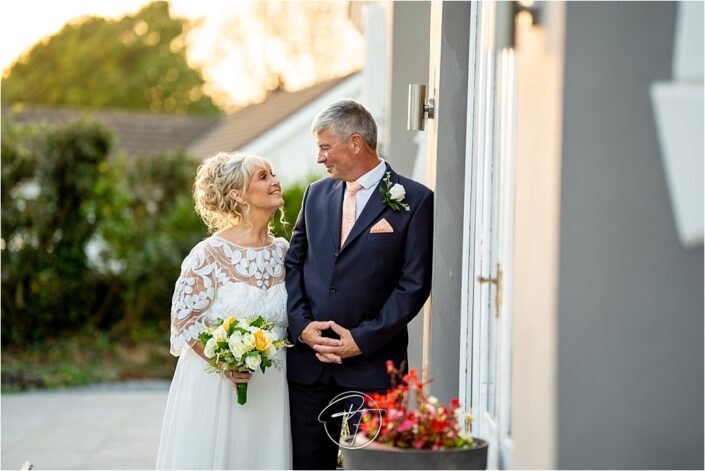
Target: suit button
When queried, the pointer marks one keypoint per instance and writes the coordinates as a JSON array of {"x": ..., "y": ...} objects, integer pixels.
[{"x": 331, "y": 288}]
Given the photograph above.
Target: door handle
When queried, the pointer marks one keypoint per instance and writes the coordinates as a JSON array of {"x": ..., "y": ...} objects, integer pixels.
[{"x": 497, "y": 281}]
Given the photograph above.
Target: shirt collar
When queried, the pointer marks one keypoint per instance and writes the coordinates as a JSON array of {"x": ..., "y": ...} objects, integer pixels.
[{"x": 372, "y": 178}]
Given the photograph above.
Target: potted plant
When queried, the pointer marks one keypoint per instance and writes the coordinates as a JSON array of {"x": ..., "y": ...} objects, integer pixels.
[{"x": 407, "y": 429}]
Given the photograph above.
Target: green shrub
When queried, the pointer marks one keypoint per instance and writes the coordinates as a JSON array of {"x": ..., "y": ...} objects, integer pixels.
[
  {"x": 92, "y": 243},
  {"x": 50, "y": 182},
  {"x": 147, "y": 247},
  {"x": 293, "y": 197}
]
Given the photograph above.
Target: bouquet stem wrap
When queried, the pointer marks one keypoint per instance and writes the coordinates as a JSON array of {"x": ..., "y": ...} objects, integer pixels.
[{"x": 241, "y": 393}]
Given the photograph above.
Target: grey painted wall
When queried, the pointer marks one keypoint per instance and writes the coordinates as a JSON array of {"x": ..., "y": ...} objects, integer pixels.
[
  {"x": 630, "y": 375},
  {"x": 410, "y": 29},
  {"x": 451, "y": 118}
]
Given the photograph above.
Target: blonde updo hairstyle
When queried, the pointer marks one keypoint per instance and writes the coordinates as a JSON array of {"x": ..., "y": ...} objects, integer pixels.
[{"x": 216, "y": 178}]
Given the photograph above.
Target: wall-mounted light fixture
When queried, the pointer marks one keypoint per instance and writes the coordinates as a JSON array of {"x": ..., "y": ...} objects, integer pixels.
[
  {"x": 419, "y": 108},
  {"x": 512, "y": 12}
]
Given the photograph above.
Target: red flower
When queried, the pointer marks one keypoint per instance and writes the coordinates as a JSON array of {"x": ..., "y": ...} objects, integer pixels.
[{"x": 429, "y": 426}]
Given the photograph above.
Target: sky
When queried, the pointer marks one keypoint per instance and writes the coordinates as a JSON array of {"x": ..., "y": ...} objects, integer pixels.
[{"x": 21, "y": 27}]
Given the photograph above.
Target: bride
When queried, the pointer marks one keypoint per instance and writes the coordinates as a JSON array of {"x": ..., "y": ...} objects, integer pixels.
[{"x": 238, "y": 271}]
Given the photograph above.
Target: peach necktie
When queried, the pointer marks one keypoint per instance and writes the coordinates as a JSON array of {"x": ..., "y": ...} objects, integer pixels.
[{"x": 348, "y": 210}]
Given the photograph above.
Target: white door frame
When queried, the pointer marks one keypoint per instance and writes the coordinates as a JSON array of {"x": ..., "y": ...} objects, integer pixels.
[{"x": 487, "y": 249}]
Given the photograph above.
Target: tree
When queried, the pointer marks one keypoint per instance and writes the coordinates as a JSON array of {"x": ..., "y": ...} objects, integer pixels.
[
  {"x": 283, "y": 44},
  {"x": 136, "y": 62}
]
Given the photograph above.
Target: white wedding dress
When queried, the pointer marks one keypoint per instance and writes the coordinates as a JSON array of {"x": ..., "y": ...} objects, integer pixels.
[{"x": 204, "y": 426}]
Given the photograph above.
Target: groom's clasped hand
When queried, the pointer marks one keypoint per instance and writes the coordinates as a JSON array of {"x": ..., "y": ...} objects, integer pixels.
[{"x": 330, "y": 350}]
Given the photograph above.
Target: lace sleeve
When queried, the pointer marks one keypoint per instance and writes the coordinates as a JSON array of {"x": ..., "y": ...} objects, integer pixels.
[
  {"x": 194, "y": 293},
  {"x": 283, "y": 245}
]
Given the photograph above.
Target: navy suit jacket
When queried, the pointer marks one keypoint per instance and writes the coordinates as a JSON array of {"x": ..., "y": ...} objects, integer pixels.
[{"x": 373, "y": 285}]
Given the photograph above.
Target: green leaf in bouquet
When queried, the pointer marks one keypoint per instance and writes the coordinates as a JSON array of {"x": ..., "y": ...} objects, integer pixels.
[
  {"x": 223, "y": 344},
  {"x": 259, "y": 322},
  {"x": 218, "y": 322},
  {"x": 204, "y": 337}
]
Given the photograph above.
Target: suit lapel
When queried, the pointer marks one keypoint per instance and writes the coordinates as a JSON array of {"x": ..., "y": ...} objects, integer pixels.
[
  {"x": 374, "y": 207},
  {"x": 335, "y": 209}
]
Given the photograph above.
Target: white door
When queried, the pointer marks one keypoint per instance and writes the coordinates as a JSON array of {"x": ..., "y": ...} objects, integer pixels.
[{"x": 486, "y": 320}]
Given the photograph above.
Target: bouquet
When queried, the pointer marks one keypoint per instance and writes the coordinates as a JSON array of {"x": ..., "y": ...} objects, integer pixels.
[
  {"x": 425, "y": 424},
  {"x": 241, "y": 345}
]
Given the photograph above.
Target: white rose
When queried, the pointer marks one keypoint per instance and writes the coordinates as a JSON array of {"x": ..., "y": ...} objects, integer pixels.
[
  {"x": 236, "y": 345},
  {"x": 253, "y": 362},
  {"x": 272, "y": 352},
  {"x": 397, "y": 192},
  {"x": 220, "y": 334},
  {"x": 209, "y": 349},
  {"x": 242, "y": 323},
  {"x": 248, "y": 341}
]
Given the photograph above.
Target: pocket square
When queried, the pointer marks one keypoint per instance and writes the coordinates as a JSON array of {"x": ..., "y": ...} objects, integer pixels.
[{"x": 381, "y": 227}]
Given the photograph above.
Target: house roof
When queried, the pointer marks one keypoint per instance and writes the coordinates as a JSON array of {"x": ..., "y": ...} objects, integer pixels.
[
  {"x": 136, "y": 132},
  {"x": 145, "y": 132},
  {"x": 240, "y": 128}
]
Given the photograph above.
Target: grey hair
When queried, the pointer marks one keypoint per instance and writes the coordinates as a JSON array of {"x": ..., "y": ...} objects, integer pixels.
[{"x": 345, "y": 117}]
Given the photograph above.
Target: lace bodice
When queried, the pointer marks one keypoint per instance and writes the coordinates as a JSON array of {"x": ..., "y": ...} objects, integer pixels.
[{"x": 220, "y": 279}]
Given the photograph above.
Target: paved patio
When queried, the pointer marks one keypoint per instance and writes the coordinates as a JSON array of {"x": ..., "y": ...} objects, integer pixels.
[{"x": 99, "y": 427}]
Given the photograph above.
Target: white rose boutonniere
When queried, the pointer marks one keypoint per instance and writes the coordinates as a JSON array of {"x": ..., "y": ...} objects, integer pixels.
[{"x": 394, "y": 195}]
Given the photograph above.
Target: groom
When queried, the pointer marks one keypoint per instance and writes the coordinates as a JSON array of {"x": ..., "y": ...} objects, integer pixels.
[{"x": 357, "y": 271}]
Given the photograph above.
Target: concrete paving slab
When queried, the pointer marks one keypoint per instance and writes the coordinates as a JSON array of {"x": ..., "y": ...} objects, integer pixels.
[{"x": 100, "y": 427}]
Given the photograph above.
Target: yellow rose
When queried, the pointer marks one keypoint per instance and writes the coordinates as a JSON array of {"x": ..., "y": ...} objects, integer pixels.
[
  {"x": 262, "y": 340},
  {"x": 227, "y": 323}
]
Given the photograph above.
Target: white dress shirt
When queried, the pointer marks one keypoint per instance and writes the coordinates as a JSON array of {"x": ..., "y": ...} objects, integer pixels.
[{"x": 369, "y": 182}]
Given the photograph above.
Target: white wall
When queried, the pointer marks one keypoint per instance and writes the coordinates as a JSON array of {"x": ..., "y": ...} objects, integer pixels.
[
  {"x": 678, "y": 107},
  {"x": 410, "y": 30},
  {"x": 375, "y": 73}
]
